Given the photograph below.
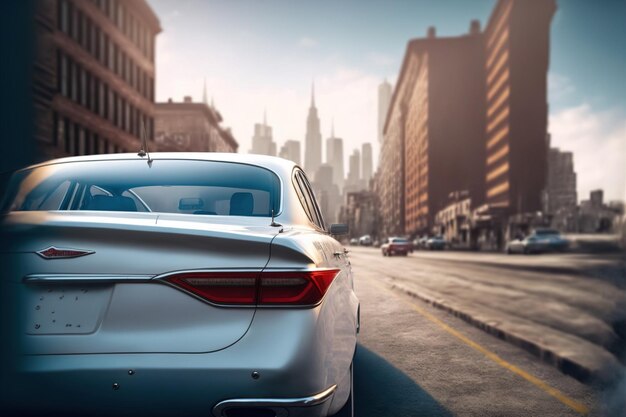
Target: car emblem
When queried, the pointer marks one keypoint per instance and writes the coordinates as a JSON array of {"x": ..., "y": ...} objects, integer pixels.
[{"x": 61, "y": 253}]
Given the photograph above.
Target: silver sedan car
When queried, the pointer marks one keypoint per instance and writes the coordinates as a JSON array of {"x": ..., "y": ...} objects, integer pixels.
[{"x": 173, "y": 284}]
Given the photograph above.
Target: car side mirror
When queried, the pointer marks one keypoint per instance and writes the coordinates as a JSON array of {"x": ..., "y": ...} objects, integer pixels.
[{"x": 338, "y": 229}]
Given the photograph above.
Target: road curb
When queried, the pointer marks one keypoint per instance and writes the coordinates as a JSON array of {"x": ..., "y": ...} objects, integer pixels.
[{"x": 566, "y": 365}]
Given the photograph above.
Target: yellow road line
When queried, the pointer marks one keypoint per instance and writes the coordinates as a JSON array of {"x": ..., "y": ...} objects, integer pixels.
[{"x": 571, "y": 403}]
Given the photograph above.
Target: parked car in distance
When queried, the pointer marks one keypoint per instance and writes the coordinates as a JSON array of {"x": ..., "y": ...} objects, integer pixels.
[
  {"x": 354, "y": 241},
  {"x": 420, "y": 242},
  {"x": 539, "y": 241},
  {"x": 365, "y": 240},
  {"x": 209, "y": 279},
  {"x": 395, "y": 245},
  {"x": 436, "y": 243}
]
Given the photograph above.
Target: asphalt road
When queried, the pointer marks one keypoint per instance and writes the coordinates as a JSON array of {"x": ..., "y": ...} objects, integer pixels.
[{"x": 416, "y": 360}]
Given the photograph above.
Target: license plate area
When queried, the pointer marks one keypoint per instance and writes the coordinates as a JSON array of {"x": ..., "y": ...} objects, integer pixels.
[{"x": 66, "y": 309}]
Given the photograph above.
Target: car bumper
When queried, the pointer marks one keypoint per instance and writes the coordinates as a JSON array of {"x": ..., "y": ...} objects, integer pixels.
[
  {"x": 315, "y": 405},
  {"x": 294, "y": 367}
]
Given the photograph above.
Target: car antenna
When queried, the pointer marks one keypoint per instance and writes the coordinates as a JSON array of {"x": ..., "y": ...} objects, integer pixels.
[
  {"x": 144, "y": 144},
  {"x": 273, "y": 223}
]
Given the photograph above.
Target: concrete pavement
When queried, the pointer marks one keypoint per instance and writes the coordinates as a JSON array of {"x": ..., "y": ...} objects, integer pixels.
[
  {"x": 416, "y": 360},
  {"x": 571, "y": 320}
]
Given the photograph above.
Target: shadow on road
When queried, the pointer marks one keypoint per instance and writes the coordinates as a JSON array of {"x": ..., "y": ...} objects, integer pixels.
[{"x": 380, "y": 389}]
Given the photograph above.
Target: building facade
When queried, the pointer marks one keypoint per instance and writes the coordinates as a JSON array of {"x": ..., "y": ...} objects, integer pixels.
[
  {"x": 516, "y": 65},
  {"x": 291, "y": 151},
  {"x": 384, "y": 99},
  {"x": 354, "y": 181},
  {"x": 191, "y": 127},
  {"x": 93, "y": 76},
  {"x": 470, "y": 113},
  {"x": 327, "y": 193},
  {"x": 390, "y": 175},
  {"x": 367, "y": 163},
  {"x": 560, "y": 198},
  {"x": 360, "y": 213},
  {"x": 334, "y": 157},
  {"x": 444, "y": 126},
  {"x": 262, "y": 141},
  {"x": 313, "y": 140}
]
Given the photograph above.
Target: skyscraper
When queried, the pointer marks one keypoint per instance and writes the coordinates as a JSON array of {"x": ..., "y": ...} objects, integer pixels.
[
  {"x": 262, "y": 142},
  {"x": 291, "y": 150},
  {"x": 384, "y": 99},
  {"x": 353, "y": 182},
  {"x": 313, "y": 139},
  {"x": 334, "y": 157},
  {"x": 366, "y": 163}
]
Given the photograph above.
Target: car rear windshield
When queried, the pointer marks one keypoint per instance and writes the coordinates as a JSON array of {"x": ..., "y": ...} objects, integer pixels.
[
  {"x": 546, "y": 232},
  {"x": 400, "y": 241},
  {"x": 165, "y": 186}
]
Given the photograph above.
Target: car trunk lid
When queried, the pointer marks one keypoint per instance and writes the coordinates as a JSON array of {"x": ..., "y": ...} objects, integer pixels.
[{"x": 110, "y": 300}]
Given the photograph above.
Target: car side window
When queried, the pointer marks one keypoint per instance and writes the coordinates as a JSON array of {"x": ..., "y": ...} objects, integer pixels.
[
  {"x": 297, "y": 184},
  {"x": 307, "y": 199},
  {"x": 318, "y": 212}
]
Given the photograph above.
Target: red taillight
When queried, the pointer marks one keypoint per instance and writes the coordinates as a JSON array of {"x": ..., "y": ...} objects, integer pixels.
[{"x": 295, "y": 288}]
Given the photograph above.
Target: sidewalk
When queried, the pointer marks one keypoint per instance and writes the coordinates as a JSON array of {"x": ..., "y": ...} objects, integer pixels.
[
  {"x": 567, "y": 309},
  {"x": 574, "y": 356}
]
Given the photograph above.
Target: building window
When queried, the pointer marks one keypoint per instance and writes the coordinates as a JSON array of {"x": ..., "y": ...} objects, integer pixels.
[
  {"x": 83, "y": 87},
  {"x": 64, "y": 20},
  {"x": 87, "y": 145},
  {"x": 62, "y": 73},
  {"x": 101, "y": 100},
  {"x": 110, "y": 105},
  {"x": 73, "y": 76},
  {"x": 80, "y": 149},
  {"x": 73, "y": 15}
]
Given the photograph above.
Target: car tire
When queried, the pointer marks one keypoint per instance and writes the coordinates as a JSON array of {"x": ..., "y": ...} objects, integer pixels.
[
  {"x": 348, "y": 409},
  {"x": 509, "y": 251}
]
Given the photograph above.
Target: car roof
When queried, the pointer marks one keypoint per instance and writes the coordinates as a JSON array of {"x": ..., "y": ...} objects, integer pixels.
[{"x": 273, "y": 163}]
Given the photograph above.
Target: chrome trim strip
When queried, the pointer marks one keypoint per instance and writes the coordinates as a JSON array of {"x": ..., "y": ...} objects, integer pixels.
[
  {"x": 272, "y": 403},
  {"x": 85, "y": 278}
]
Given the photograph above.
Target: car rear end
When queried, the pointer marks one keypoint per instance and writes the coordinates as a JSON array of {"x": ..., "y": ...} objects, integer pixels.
[
  {"x": 399, "y": 246},
  {"x": 126, "y": 313}
]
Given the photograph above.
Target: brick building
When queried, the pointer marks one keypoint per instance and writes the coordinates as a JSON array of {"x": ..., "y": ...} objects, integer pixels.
[
  {"x": 191, "y": 127},
  {"x": 469, "y": 113},
  {"x": 93, "y": 76}
]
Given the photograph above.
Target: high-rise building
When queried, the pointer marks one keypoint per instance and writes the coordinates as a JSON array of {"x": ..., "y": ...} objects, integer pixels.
[
  {"x": 442, "y": 93},
  {"x": 327, "y": 193},
  {"x": 93, "y": 76},
  {"x": 354, "y": 181},
  {"x": 291, "y": 151},
  {"x": 390, "y": 176},
  {"x": 313, "y": 139},
  {"x": 468, "y": 114},
  {"x": 334, "y": 157},
  {"x": 191, "y": 127},
  {"x": 561, "y": 182},
  {"x": 367, "y": 162},
  {"x": 262, "y": 141},
  {"x": 384, "y": 99},
  {"x": 516, "y": 63}
]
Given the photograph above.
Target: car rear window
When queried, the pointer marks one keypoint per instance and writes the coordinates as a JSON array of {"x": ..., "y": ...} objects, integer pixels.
[
  {"x": 165, "y": 186},
  {"x": 400, "y": 241}
]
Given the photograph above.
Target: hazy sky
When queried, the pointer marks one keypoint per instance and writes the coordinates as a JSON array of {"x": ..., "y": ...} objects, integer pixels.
[{"x": 260, "y": 55}]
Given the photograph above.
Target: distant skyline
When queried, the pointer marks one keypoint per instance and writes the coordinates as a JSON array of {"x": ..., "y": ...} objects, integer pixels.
[{"x": 264, "y": 55}]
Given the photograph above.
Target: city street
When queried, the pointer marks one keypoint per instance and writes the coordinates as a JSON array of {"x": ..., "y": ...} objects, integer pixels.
[{"x": 417, "y": 360}]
